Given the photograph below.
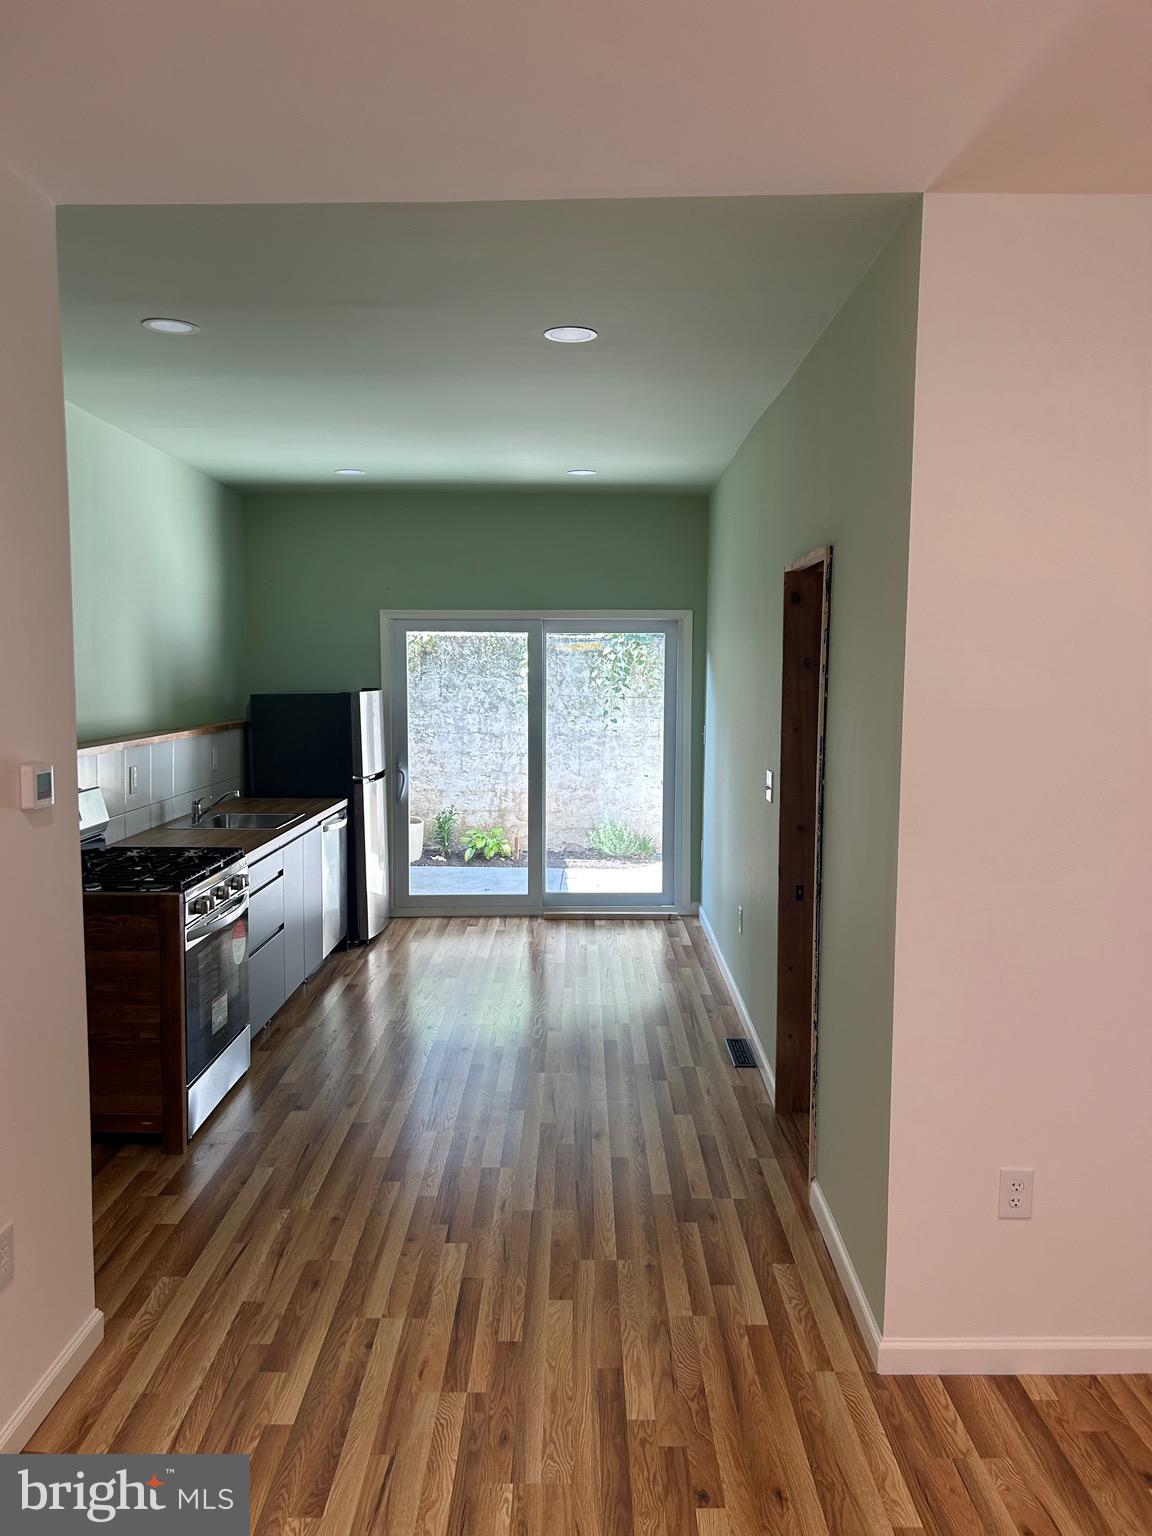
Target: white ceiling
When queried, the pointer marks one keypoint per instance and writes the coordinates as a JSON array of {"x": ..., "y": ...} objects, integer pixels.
[
  {"x": 407, "y": 100},
  {"x": 407, "y": 340}
]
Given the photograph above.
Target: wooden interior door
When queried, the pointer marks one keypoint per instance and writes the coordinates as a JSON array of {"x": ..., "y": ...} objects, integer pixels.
[{"x": 803, "y": 684}]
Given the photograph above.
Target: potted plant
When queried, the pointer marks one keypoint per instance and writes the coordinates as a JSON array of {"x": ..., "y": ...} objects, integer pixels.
[{"x": 415, "y": 839}]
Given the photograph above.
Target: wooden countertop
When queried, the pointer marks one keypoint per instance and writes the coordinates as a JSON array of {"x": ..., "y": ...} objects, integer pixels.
[{"x": 263, "y": 841}]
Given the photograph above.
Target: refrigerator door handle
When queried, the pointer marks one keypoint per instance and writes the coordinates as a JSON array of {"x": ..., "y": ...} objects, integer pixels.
[{"x": 401, "y": 780}]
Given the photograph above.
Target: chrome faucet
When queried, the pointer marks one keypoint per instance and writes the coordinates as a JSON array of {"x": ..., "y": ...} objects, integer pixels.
[{"x": 201, "y": 807}]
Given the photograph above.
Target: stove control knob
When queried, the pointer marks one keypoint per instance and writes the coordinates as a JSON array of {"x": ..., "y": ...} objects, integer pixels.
[
  {"x": 219, "y": 894},
  {"x": 238, "y": 883},
  {"x": 200, "y": 907}
]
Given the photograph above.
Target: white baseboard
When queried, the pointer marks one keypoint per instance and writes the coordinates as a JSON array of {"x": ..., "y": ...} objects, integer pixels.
[
  {"x": 948, "y": 1356},
  {"x": 974, "y": 1357},
  {"x": 1015, "y": 1357},
  {"x": 767, "y": 1071},
  {"x": 15, "y": 1434},
  {"x": 849, "y": 1279}
]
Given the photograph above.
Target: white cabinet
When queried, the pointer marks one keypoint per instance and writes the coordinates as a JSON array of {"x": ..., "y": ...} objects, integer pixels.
[
  {"x": 313, "y": 901},
  {"x": 266, "y": 973},
  {"x": 265, "y": 982},
  {"x": 295, "y": 969},
  {"x": 286, "y": 940}
]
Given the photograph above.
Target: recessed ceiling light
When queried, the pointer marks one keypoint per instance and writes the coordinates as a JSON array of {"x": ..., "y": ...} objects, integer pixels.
[
  {"x": 169, "y": 327},
  {"x": 571, "y": 333},
  {"x": 582, "y": 471},
  {"x": 349, "y": 471}
]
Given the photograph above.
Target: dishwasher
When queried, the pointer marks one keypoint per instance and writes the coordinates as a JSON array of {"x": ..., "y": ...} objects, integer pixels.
[{"x": 334, "y": 855}]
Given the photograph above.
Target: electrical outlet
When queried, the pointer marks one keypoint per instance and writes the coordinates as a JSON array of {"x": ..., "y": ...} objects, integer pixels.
[
  {"x": 1016, "y": 1194},
  {"x": 7, "y": 1256},
  {"x": 739, "y": 919}
]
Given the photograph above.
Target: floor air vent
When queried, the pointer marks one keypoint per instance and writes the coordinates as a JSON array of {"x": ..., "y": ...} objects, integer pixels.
[{"x": 740, "y": 1051}]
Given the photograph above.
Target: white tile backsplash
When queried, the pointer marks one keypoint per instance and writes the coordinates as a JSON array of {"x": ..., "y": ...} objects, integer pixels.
[
  {"x": 183, "y": 766},
  {"x": 227, "y": 748},
  {"x": 169, "y": 776},
  {"x": 163, "y": 770},
  {"x": 110, "y": 779},
  {"x": 168, "y": 810},
  {"x": 192, "y": 764},
  {"x": 137, "y": 777}
]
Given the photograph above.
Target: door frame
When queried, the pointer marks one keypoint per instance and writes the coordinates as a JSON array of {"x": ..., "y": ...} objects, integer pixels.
[
  {"x": 821, "y": 557},
  {"x": 678, "y": 677}
]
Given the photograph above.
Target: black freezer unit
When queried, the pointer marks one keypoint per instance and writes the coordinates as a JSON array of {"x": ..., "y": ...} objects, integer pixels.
[{"x": 331, "y": 744}]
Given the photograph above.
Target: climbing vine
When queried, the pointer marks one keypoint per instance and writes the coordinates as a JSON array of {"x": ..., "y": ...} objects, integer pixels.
[
  {"x": 620, "y": 664},
  {"x": 625, "y": 663}
]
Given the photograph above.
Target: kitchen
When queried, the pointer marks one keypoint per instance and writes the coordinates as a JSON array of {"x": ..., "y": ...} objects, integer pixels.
[
  {"x": 239, "y": 525},
  {"x": 207, "y": 909}
]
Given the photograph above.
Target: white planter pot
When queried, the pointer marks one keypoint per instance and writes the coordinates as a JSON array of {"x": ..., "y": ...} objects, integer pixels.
[{"x": 415, "y": 839}]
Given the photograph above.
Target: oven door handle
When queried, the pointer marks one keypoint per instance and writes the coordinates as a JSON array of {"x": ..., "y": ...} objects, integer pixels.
[{"x": 216, "y": 921}]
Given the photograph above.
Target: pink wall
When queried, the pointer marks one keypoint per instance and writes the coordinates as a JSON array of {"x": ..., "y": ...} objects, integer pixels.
[
  {"x": 1023, "y": 1028},
  {"x": 45, "y": 1186}
]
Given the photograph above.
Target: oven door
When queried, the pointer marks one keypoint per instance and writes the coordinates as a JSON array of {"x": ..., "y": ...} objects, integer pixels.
[{"x": 215, "y": 983}]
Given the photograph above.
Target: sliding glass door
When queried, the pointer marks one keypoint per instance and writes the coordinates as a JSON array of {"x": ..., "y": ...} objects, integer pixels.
[
  {"x": 536, "y": 761},
  {"x": 464, "y": 822},
  {"x": 609, "y": 819}
]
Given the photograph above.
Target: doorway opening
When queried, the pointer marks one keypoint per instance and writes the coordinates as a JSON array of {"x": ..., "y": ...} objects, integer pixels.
[
  {"x": 538, "y": 760},
  {"x": 804, "y": 681}
]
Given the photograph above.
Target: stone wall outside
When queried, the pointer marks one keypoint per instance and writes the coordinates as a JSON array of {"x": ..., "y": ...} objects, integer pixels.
[{"x": 468, "y": 737}]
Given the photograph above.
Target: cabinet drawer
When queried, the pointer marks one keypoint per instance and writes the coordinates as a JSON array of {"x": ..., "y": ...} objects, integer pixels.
[
  {"x": 265, "y": 912},
  {"x": 261, "y": 871},
  {"x": 265, "y": 982}
]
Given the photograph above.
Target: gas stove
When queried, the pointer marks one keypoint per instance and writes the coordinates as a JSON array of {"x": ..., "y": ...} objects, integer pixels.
[{"x": 152, "y": 869}]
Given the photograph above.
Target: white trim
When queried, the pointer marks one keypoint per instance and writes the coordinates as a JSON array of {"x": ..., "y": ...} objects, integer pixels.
[
  {"x": 943, "y": 1357},
  {"x": 32, "y": 1412},
  {"x": 973, "y": 1357},
  {"x": 849, "y": 1279},
  {"x": 534, "y": 903},
  {"x": 1015, "y": 1357},
  {"x": 741, "y": 1007}
]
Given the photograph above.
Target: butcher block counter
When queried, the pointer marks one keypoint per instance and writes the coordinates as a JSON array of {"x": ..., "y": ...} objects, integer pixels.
[{"x": 257, "y": 843}]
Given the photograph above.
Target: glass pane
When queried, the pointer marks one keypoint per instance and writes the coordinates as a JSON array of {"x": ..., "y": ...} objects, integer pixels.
[
  {"x": 604, "y": 726},
  {"x": 468, "y": 763}
]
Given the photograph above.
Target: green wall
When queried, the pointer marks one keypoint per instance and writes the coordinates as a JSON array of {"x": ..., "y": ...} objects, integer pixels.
[
  {"x": 157, "y": 586},
  {"x": 321, "y": 566},
  {"x": 830, "y": 462}
]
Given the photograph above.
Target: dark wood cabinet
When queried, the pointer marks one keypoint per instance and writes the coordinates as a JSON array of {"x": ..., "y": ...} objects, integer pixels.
[{"x": 134, "y": 962}]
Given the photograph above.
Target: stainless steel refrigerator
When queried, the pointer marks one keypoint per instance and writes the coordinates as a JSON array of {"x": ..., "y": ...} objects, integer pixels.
[{"x": 331, "y": 744}]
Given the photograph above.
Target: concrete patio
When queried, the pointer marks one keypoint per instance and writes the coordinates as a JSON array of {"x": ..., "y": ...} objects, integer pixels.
[{"x": 473, "y": 880}]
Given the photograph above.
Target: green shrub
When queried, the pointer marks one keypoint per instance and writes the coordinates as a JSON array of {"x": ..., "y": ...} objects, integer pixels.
[
  {"x": 446, "y": 830},
  {"x": 488, "y": 842},
  {"x": 620, "y": 841}
]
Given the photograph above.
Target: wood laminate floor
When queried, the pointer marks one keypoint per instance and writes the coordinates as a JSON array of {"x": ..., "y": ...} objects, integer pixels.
[{"x": 494, "y": 1240}]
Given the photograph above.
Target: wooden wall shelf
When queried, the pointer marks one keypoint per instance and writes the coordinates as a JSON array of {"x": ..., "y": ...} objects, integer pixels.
[{"x": 116, "y": 743}]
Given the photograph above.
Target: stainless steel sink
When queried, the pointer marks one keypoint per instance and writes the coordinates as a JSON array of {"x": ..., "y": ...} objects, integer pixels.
[{"x": 238, "y": 821}]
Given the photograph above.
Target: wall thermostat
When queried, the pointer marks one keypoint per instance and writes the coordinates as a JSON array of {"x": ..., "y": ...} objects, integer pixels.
[{"x": 37, "y": 786}]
